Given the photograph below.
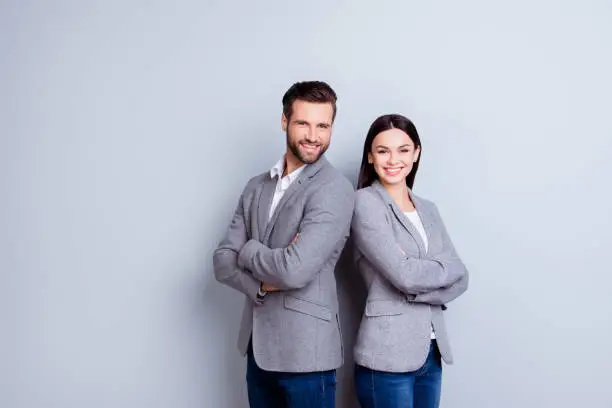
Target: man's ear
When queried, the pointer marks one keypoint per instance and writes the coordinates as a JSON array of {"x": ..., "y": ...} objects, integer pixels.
[{"x": 284, "y": 122}]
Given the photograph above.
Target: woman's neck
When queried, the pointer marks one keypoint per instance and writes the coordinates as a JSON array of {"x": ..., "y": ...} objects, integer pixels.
[{"x": 399, "y": 193}]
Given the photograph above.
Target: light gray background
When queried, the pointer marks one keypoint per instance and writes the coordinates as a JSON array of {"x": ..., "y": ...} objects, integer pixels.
[{"x": 128, "y": 129}]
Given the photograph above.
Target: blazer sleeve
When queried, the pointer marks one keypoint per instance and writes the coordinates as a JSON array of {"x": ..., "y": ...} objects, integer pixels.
[
  {"x": 373, "y": 236},
  {"x": 325, "y": 224},
  {"x": 225, "y": 257},
  {"x": 446, "y": 294}
]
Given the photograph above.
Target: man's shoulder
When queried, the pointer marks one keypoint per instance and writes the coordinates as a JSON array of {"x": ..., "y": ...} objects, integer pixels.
[
  {"x": 330, "y": 185},
  {"x": 335, "y": 178},
  {"x": 255, "y": 181}
]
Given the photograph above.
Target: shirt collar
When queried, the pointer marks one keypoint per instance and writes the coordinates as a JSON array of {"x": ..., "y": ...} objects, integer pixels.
[{"x": 279, "y": 168}]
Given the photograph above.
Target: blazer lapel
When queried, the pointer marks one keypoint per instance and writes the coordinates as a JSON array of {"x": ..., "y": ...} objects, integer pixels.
[
  {"x": 399, "y": 215},
  {"x": 263, "y": 206},
  {"x": 299, "y": 184}
]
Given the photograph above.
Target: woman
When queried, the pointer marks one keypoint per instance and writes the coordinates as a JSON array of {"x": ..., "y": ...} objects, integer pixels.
[{"x": 411, "y": 271}]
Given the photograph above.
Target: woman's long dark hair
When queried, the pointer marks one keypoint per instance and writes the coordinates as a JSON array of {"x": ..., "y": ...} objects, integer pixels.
[{"x": 367, "y": 174}]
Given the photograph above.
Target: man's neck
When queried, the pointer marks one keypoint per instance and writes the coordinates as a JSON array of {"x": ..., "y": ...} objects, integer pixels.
[{"x": 292, "y": 163}]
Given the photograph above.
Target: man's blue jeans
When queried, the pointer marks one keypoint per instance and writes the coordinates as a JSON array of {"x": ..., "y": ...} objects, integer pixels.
[
  {"x": 416, "y": 389},
  {"x": 268, "y": 389}
]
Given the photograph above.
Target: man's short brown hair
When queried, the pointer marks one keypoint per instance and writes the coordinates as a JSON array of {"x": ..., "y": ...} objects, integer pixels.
[{"x": 309, "y": 91}]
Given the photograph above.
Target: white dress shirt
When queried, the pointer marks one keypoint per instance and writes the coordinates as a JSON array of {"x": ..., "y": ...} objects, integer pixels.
[{"x": 283, "y": 183}]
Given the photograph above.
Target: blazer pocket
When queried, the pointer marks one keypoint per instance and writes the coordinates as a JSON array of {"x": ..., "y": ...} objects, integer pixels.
[
  {"x": 384, "y": 308},
  {"x": 307, "y": 307}
]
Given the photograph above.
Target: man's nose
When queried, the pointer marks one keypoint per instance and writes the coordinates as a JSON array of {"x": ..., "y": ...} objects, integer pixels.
[{"x": 310, "y": 136}]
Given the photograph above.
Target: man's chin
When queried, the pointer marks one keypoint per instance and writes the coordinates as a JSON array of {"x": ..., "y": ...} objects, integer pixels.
[{"x": 309, "y": 158}]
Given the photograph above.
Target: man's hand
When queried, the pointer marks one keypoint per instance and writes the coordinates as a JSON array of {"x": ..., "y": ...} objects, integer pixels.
[{"x": 269, "y": 288}]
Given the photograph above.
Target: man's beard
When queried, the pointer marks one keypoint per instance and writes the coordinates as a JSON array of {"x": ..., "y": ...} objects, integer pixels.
[{"x": 295, "y": 149}]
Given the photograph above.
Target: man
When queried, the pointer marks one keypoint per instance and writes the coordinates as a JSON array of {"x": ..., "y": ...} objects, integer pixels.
[{"x": 280, "y": 250}]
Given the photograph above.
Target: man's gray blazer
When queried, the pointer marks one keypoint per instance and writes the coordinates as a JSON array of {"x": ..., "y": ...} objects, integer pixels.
[
  {"x": 296, "y": 329},
  {"x": 407, "y": 285}
]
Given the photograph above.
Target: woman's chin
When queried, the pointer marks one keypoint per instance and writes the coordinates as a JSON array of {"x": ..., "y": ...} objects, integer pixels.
[{"x": 392, "y": 180}]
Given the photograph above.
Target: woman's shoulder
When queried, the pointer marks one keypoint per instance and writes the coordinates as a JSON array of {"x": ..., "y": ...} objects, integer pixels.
[
  {"x": 368, "y": 199},
  {"x": 425, "y": 203},
  {"x": 422, "y": 200},
  {"x": 367, "y": 194},
  {"x": 369, "y": 207}
]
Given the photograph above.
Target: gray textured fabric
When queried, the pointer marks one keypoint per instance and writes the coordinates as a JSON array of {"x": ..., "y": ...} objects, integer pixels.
[
  {"x": 296, "y": 329},
  {"x": 407, "y": 286}
]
